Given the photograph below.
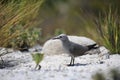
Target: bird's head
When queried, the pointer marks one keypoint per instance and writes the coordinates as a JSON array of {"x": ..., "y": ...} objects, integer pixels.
[{"x": 62, "y": 37}]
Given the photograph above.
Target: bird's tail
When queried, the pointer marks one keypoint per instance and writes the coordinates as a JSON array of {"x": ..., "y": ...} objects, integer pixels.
[{"x": 92, "y": 46}]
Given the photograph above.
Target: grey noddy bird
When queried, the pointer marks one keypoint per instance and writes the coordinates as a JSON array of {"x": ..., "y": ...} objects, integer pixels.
[{"x": 74, "y": 49}]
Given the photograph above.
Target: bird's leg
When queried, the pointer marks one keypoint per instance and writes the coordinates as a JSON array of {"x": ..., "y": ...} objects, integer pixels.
[{"x": 71, "y": 62}]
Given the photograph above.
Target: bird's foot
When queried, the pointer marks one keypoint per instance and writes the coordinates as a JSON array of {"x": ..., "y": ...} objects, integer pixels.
[
  {"x": 38, "y": 67},
  {"x": 70, "y": 65}
]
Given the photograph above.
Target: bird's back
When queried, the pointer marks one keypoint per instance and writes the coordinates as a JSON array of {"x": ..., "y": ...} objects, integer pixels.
[{"x": 77, "y": 50}]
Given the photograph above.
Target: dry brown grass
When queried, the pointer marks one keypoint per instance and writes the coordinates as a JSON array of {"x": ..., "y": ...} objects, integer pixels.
[{"x": 13, "y": 13}]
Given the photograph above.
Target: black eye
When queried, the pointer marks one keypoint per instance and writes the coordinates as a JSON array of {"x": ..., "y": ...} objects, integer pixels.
[{"x": 60, "y": 36}]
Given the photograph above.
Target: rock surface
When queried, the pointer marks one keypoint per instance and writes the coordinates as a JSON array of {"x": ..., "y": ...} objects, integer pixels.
[
  {"x": 52, "y": 47},
  {"x": 20, "y": 66}
]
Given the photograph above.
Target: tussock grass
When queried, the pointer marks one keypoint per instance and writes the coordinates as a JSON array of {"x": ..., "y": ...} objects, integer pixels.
[
  {"x": 109, "y": 29},
  {"x": 17, "y": 12},
  {"x": 113, "y": 74}
]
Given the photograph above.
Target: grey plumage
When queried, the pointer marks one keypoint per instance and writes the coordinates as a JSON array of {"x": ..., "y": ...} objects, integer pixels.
[{"x": 73, "y": 48}]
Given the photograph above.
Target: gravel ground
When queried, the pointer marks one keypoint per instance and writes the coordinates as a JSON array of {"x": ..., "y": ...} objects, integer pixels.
[{"x": 20, "y": 66}]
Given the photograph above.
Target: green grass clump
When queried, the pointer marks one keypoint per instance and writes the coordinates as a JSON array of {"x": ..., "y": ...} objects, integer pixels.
[
  {"x": 37, "y": 57},
  {"x": 59, "y": 31},
  {"x": 113, "y": 74},
  {"x": 109, "y": 29},
  {"x": 98, "y": 76},
  {"x": 27, "y": 39}
]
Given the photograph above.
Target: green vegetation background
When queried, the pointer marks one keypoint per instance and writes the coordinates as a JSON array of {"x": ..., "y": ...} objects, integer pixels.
[{"x": 51, "y": 17}]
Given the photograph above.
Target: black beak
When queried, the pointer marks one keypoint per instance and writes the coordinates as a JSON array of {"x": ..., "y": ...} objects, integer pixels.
[{"x": 56, "y": 38}]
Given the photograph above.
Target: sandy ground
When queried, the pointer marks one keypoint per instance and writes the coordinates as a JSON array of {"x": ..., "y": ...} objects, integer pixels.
[{"x": 20, "y": 66}]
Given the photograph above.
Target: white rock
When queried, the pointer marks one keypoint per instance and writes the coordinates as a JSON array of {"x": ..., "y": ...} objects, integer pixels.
[
  {"x": 10, "y": 50},
  {"x": 3, "y": 51},
  {"x": 55, "y": 67},
  {"x": 52, "y": 47},
  {"x": 81, "y": 40},
  {"x": 105, "y": 53},
  {"x": 36, "y": 48}
]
